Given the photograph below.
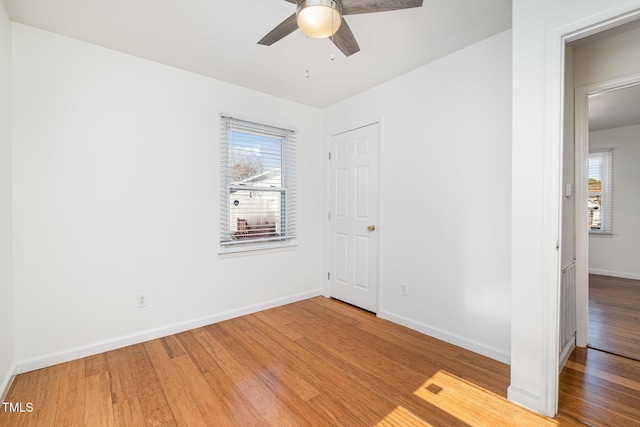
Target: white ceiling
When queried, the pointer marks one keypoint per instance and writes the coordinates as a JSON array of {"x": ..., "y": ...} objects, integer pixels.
[
  {"x": 218, "y": 38},
  {"x": 615, "y": 108}
]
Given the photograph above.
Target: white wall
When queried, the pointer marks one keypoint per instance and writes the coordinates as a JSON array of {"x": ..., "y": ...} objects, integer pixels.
[
  {"x": 537, "y": 26},
  {"x": 116, "y": 191},
  {"x": 599, "y": 61},
  {"x": 617, "y": 255},
  {"x": 6, "y": 209},
  {"x": 608, "y": 58},
  {"x": 445, "y": 194},
  {"x": 568, "y": 246}
]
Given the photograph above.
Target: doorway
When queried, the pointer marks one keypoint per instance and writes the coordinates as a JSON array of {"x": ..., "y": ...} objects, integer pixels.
[
  {"x": 608, "y": 119},
  {"x": 353, "y": 217},
  {"x": 548, "y": 60}
]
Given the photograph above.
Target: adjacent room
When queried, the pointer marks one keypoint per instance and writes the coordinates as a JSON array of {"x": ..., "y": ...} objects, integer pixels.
[{"x": 213, "y": 214}]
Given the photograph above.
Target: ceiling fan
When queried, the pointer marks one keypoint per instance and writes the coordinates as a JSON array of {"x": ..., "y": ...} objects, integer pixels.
[{"x": 324, "y": 18}]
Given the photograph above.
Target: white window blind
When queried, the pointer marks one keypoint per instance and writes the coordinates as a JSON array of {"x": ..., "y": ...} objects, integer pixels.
[
  {"x": 258, "y": 196},
  {"x": 600, "y": 187}
]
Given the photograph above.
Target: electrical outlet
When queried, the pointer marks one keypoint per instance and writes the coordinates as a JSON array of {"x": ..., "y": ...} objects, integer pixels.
[
  {"x": 404, "y": 289},
  {"x": 141, "y": 299}
]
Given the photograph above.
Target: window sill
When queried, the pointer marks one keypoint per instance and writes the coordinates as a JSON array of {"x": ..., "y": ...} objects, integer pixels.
[
  {"x": 601, "y": 233},
  {"x": 255, "y": 249}
]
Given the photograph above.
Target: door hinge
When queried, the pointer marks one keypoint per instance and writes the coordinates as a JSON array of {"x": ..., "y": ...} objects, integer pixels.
[
  {"x": 328, "y": 276},
  {"x": 329, "y": 155}
]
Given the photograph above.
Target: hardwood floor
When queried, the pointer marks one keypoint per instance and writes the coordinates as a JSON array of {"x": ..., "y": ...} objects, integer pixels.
[
  {"x": 600, "y": 389},
  {"x": 614, "y": 315},
  {"x": 317, "y": 362}
]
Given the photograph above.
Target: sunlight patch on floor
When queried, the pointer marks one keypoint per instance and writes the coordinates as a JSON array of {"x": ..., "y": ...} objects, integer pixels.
[
  {"x": 401, "y": 417},
  {"x": 474, "y": 405},
  {"x": 468, "y": 403}
]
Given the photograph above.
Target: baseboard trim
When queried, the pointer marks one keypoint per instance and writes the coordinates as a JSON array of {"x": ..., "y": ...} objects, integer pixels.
[
  {"x": 471, "y": 345},
  {"x": 565, "y": 354},
  {"x": 524, "y": 398},
  {"x": 150, "y": 334},
  {"x": 620, "y": 274},
  {"x": 7, "y": 381}
]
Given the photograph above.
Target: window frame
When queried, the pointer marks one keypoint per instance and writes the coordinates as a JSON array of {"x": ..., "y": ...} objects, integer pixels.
[
  {"x": 606, "y": 191},
  {"x": 285, "y": 226}
]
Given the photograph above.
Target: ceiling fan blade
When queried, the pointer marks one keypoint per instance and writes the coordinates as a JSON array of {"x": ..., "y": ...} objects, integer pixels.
[
  {"x": 356, "y": 7},
  {"x": 285, "y": 28},
  {"x": 344, "y": 40}
]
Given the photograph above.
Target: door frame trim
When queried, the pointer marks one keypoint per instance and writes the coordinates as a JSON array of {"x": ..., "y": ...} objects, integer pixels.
[
  {"x": 556, "y": 40},
  {"x": 581, "y": 107}
]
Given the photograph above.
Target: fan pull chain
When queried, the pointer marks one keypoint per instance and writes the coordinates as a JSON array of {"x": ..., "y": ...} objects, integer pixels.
[
  {"x": 306, "y": 73},
  {"x": 333, "y": 32},
  {"x": 332, "y": 46}
]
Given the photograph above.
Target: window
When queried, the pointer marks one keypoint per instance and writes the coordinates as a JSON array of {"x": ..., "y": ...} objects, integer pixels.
[
  {"x": 257, "y": 167},
  {"x": 600, "y": 191}
]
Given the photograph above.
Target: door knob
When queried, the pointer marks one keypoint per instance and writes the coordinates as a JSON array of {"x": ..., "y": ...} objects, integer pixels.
[{"x": 371, "y": 228}]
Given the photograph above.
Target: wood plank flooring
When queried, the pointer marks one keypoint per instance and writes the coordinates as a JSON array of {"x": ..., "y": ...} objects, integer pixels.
[
  {"x": 614, "y": 315},
  {"x": 600, "y": 389},
  {"x": 313, "y": 363}
]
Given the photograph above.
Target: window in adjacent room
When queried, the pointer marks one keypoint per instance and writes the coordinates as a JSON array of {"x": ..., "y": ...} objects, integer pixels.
[
  {"x": 600, "y": 187},
  {"x": 257, "y": 166}
]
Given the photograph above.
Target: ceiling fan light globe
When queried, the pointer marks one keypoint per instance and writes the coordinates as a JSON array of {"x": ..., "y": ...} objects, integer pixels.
[{"x": 319, "y": 18}]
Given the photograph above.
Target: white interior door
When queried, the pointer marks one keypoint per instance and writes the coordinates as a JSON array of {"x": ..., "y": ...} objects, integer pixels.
[{"x": 353, "y": 246}]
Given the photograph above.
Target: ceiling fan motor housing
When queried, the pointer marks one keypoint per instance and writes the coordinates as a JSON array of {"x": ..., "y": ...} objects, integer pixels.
[{"x": 319, "y": 18}]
